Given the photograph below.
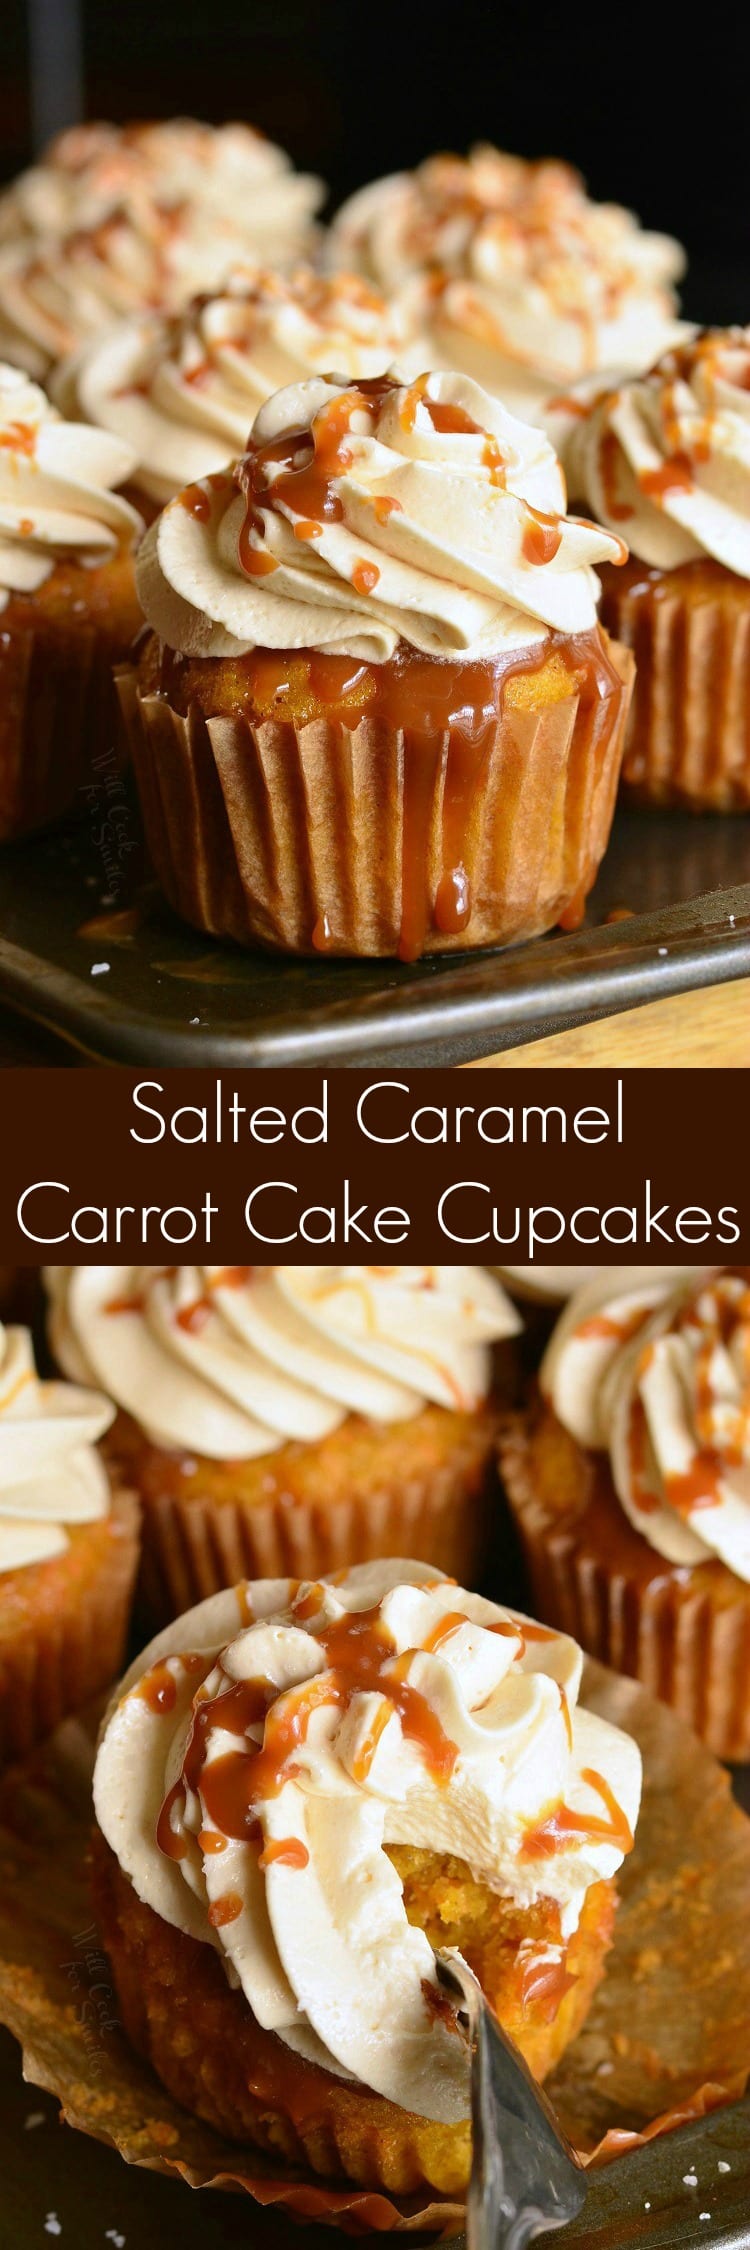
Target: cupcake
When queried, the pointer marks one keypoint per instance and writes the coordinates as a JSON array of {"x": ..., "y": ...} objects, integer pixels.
[
  {"x": 517, "y": 278},
  {"x": 277, "y": 1418},
  {"x": 68, "y": 1550},
  {"x": 301, "y": 1791},
  {"x": 182, "y": 392},
  {"x": 375, "y": 714},
  {"x": 630, "y": 1483},
  {"x": 117, "y": 220},
  {"x": 68, "y": 602},
  {"x": 666, "y": 460}
]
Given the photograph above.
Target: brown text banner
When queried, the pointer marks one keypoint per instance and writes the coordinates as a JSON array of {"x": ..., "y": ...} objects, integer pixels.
[{"x": 439, "y": 1165}]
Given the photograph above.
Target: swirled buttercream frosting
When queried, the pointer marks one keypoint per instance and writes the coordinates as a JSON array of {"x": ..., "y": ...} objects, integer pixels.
[
  {"x": 183, "y": 392},
  {"x": 234, "y": 1361},
  {"x": 51, "y": 1477},
  {"x": 518, "y": 278},
  {"x": 270, "y": 1746},
  {"x": 666, "y": 459},
  {"x": 57, "y": 501},
  {"x": 652, "y": 1366},
  {"x": 119, "y": 221},
  {"x": 367, "y": 514}
]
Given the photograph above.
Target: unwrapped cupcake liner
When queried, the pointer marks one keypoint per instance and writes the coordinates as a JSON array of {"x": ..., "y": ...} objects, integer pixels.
[
  {"x": 331, "y": 838},
  {"x": 684, "y": 1633},
  {"x": 688, "y": 739},
  {"x": 193, "y": 1546},
  {"x": 667, "y": 2038},
  {"x": 59, "y": 716},
  {"x": 75, "y": 1642}
]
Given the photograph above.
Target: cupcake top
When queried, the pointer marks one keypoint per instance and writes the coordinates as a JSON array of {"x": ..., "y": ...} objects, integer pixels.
[
  {"x": 50, "y": 1476},
  {"x": 551, "y": 1283},
  {"x": 368, "y": 514},
  {"x": 56, "y": 496},
  {"x": 652, "y": 1365},
  {"x": 270, "y": 1746},
  {"x": 666, "y": 459},
  {"x": 170, "y": 167},
  {"x": 183, "y": 392},
  {"x": 233, "y": 1361},
  {"x": 142, "y": 226},
  {"x": 519, "y": 278}
]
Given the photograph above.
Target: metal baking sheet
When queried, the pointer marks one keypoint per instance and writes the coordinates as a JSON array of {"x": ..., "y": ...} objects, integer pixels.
[{"x": 90, "y": 952}]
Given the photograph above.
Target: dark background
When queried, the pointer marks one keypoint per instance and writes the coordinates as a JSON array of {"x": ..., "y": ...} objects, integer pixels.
[{"x": 651, "y": 101}]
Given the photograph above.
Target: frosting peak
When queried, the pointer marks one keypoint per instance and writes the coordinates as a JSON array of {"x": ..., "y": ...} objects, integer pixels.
[
  {"x": 50, "y": 1475},
  {"x": 269, "y": 1747},
  {"x": 371, "y": 513},
  {"x": 653, "y": 1365},
  {"x": 234, "y": 1361},
  {"x": 56, "y": 496},
  {"x": 666, "y": 458}
]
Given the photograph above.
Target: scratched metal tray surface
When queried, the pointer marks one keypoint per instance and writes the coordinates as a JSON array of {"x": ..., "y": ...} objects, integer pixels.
[{"x": 91, "y": 954}]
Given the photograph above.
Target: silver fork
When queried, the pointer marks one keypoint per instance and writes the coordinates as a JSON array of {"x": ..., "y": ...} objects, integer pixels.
[{"x": 525, "y": 2178}]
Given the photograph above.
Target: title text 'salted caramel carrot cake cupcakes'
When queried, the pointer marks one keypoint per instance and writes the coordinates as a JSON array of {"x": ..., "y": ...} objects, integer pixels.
[
  {"x": 517, "y": 278},
  {"x": 117, "y": 220},
  {"x": 301, "y": 1791},
  {"x": 183, "y": 391},
  {"x": 68, "y": 602},
  {"x": 293, "y": 1417},
  {"x": 630, "y": 1482},
  {"x": 376, "y": 713},
  {"x": 68, "y": 1550},
  {"x": 666, "y": 461}
]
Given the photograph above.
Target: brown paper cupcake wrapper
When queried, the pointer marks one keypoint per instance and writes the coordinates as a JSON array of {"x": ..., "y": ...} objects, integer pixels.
[
  {"x": 329, "y": 838},
  {"x": 59, "y": 732},
  {"x": 668, "y": 2036},
  {"x": 193, "y": 1547},
  {"x": 76, "y": 1645},
  {"x": 688, "y": 740},
  {"x": 672, "y": 1630}
]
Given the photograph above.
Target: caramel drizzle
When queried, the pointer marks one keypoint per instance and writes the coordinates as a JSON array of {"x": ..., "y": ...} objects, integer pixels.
[{"x": 563, "y": 1826}]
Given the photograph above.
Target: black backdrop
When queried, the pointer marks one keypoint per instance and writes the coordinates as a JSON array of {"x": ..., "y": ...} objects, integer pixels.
[{"x": 651, "y": 101}]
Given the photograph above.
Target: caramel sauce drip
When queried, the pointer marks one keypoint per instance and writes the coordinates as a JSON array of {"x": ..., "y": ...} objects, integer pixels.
[
  {"x": 233, "y": 1277},
  {"x": 543, "y": 1985},
  {"x": 210, "y": 1843},
  {"x": 562, "y": 1826},
  {"x": 287, "y": 1851},
  {"x": 360, "y": 1657},
  {"x": 609, "y": 458},
  {"x": 125, "y": 1304},
  {"x": 158, "y": 1689},
  {"x": 638, "y": 1457},
  {"x": 225, "y": 1910},
  {"x": 192, "y": 1318},
  {"x": 542, "y": 536},
  {"x": 604, "y": 1326},
  {"x": 697, "y": 1487},
  {"x": 197, "y": 499},
  {"x": 19, "y": 437},
  {"x": 443, "y": 1630},
  {"x": 172, "y": 1845}
]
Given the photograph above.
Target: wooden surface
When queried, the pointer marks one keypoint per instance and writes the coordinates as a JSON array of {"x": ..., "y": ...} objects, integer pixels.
[{"x": 708, "y": 1030}]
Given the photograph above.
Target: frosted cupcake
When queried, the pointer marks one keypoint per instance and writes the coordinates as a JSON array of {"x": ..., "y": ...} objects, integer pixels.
[
  {"x": 666, "y": 460},
  {"x": 376, "y": 714},
  {"x": 301, "y": 1418},
  {"x": 68, "y": 1550},
  {"x": 183, "y": 392},
  {"x": 121, "y": 220},
  {"x": 68, "y": 602},
  {"x": 630, "y": 1482},
  {"x": 517, "y": 278},
  {"x": 300, "y": 1792}
]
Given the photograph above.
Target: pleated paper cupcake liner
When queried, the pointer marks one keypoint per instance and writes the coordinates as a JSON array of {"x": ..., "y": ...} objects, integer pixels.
[
  {"x": 343, "y": 840},
  {"x": 193, "y": 1546},
  {"x": 667, "y": 2038},
  {"x": 688, "y": 738},
  {"x": 71, "y": 1641},
  {"x": 59, "y": 731},
  {"x": 684, "y": 1633}
]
